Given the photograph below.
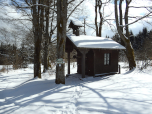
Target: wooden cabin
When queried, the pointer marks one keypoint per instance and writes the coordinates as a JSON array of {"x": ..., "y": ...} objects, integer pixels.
[{"x": 95, "y": 55}]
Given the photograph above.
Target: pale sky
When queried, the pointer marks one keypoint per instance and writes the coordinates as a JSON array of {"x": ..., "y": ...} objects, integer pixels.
[
  {"x": 109, "y": 10},
  {"x": 88, "y": 11}
]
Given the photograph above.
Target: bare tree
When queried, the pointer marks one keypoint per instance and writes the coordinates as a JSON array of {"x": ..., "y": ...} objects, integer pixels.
[
  {"x": 61, "y": 38},
  {"x": 38, "y": 20},
  {"x": 49, "y": 27},
  {"x": 99, "y": 5},
  {"x": 46, "y": 37},
  {"x": 40, "y": 17},
  {"x": 125, "y": 38},
  {"x": 61, "y": 35}
]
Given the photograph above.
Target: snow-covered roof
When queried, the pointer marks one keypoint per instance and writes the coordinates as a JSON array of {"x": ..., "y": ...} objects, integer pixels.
[
  {"x": 84, "y": 41},
  {"x": 77, "y": 22}
]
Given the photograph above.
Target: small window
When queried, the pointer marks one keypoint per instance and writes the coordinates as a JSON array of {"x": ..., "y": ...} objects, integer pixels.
[{"x": 106, "y": 58}]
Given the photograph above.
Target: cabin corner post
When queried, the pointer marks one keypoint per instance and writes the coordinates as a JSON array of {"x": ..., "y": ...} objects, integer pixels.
[
  {"x": 119, "y": 69},
  {"x": 94, "y": 51},
  {"x": 68, "y": 62},
  {"x": 68, "y": 50},
  {"x": 83, "y": 52}
]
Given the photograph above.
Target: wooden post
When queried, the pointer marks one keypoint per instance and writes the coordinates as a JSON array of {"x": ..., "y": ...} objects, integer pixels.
[
  {"x": 83, "y": 65},
  {"x": 68, "y": 62},
  {"x": 83, "y": 51},
  {"x": 119, "y": 69},
  {"x": 94, "y": 66},
  {"x": 84, "y": 28}
]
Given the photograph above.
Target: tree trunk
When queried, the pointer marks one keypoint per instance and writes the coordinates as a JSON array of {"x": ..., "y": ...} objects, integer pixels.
[
  {"x": 130, "y": 55},
  {"x": 96, "y": 15},
  {"x": 121, "y": 20},
  {"x": 36, "y": 42},
  {"x": 46, "y": 44},
  {"x": 98, "y": 5},
  {"x": 126, "y": 19},
  {"x": 125, "y": 39},
  {"x": 61, "y": 39},
  {"x": 38, "y": 20},
  {"x": 120, "y": 13},
  {"x": 101, "y": 18}
]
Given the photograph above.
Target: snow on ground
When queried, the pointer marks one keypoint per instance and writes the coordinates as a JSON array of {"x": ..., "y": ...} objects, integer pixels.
[{"x": 126, "y": 93}]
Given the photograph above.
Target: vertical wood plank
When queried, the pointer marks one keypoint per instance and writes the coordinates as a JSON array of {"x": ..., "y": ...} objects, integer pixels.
[
  {"x": 68, "y": 62},
  {"x": 83, "y": 51},
  {"x": 83, "y": 65}
]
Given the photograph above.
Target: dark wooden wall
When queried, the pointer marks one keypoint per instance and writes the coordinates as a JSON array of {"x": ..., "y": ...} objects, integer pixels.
[
  {"x": 68, "y": 46},
  {"x": 79, "y": 62},
  {"x": 90, "y": 63},
  {"x": 99, "y": 61},
  {"x": 95, "y": 62}
]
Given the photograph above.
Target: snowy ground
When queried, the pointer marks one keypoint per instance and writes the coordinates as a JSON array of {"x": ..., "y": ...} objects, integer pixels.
[{"x": 126, "y": 93}]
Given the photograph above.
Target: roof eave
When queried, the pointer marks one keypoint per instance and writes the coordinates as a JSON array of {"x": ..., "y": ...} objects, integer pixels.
[{"x": 101, "y": 48}]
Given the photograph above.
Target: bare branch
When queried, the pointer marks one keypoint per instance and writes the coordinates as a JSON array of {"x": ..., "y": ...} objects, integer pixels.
[
  {"x": 90, "y": 26},
  {"x": 137, "y": 20},
  {"x": 15, "y": 19},
  {"x": 70, "y": 2},
  {"x": 35, "y": 5},
  {"x": 140, "y": 7},
  {"x": 74, "y": 9}
]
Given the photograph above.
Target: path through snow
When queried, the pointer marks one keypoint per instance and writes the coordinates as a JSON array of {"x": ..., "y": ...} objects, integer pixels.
[{"x": 71, "y": 107}]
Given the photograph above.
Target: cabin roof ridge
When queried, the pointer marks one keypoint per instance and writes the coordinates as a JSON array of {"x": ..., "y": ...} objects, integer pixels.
[{"x": 85, "y": 41}]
